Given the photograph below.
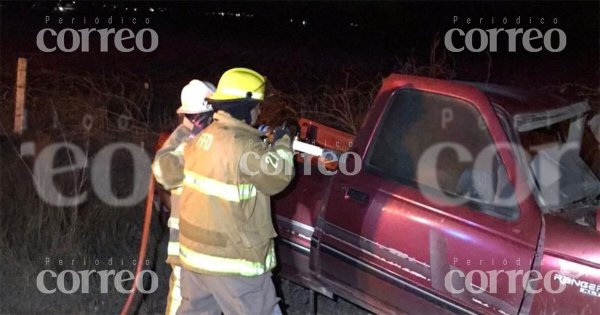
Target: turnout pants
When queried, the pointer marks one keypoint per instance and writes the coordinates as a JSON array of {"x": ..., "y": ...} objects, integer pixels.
[
  {"x": 232, "y": 295},
  {"x": 174, "y": 297}
]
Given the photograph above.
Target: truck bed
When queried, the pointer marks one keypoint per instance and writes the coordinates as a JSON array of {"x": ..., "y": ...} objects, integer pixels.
[{"x": 297, "y": 207}]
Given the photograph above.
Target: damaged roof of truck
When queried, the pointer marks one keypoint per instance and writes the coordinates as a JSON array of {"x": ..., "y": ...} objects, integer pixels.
[
  {"x": 515, "y": 101},
  {"x": 531, "y": 110},
  {"x": 519, "y": 104}
]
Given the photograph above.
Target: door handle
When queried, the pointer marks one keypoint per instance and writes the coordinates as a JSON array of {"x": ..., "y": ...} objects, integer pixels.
[{"x": 357, "y": 195}]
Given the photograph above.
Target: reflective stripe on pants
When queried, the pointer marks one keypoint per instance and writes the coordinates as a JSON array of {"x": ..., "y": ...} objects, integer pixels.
[
  {"x": 174, "y": 297},
  {"x": 173, "y": 223},
  {"x": 173, "y": 248}
]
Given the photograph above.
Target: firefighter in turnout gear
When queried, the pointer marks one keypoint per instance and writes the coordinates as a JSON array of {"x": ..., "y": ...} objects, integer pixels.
[
  {"x": 167, "y": 169},
  {"x": 226, "y": 231}
]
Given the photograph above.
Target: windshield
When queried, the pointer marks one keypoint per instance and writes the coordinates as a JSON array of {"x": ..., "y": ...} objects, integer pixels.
[{"x": 553, "y": 153}]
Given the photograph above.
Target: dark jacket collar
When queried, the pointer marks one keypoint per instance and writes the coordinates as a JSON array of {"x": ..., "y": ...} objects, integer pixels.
[{"x": 226, "y": 119}]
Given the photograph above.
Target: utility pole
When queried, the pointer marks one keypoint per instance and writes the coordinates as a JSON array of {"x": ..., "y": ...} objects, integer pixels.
[{"x": 20, "y": 112}]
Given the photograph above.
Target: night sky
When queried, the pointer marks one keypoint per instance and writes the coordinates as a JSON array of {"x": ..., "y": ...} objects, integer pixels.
[{"x": 291, "y": 41}]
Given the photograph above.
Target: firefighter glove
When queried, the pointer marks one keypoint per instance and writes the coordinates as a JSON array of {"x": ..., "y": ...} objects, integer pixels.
[{"x": 280, "y": 131}]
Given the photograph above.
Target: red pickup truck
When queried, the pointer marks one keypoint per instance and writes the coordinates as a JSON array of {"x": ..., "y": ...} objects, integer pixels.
[{"x": 457, "y": 197}]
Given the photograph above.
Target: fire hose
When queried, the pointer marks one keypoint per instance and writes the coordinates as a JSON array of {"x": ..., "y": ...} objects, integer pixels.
[{"x": 143, "y": 246}]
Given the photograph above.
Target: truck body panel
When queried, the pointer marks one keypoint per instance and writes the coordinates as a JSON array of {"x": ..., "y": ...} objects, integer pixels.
[{"x": 392, "y": 245}]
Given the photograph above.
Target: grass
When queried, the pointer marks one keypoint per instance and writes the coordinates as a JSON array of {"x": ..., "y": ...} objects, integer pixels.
[{"x": 33, "y": 231}]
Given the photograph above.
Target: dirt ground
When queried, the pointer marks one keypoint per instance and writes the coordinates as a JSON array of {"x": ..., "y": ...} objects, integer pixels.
[{"x": 295, "y": 301}]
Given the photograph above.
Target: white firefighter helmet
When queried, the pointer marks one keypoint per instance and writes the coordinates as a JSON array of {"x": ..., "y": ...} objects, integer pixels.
[{"x": 193, "y": 97}]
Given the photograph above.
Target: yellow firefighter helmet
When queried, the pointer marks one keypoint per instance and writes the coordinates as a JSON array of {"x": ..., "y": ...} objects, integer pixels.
[{"x": 240, "y": 83}]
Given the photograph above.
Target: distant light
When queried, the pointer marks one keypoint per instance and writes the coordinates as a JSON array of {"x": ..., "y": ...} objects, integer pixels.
[
  {"x": 61, "y": 9},
  {"x": 303, "y": 23},
  {"x": 222, "y": 13},
  {"x": 237, "y": 15},
  {"x": 135, "y": 9},
  {"x": 151, "y": 9},
  {"x": 291, "y": 20}
]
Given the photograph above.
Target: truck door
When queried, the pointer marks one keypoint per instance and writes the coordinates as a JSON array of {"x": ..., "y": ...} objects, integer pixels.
[{"x": 424, "y": 225}]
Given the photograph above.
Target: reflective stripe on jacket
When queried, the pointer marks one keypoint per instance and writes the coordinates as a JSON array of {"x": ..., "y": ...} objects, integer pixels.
[
  {"x": 167, "y": 168},
  {"x": 168, "y": 161},
  {"x": 225, "y": 216},
  {"x": 214, "y": 264}
]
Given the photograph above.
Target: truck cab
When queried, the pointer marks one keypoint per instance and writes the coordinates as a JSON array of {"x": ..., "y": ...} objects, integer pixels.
[{"x": 455, "y": 197}]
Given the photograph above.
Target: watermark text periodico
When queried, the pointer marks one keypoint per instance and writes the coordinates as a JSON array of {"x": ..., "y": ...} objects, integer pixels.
[
  {"x": 70, "y": 281},
  {"x": 488, "y": 281},
  {"x": 514, "y": 34},
  {"x": 70, "y": 39}
]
